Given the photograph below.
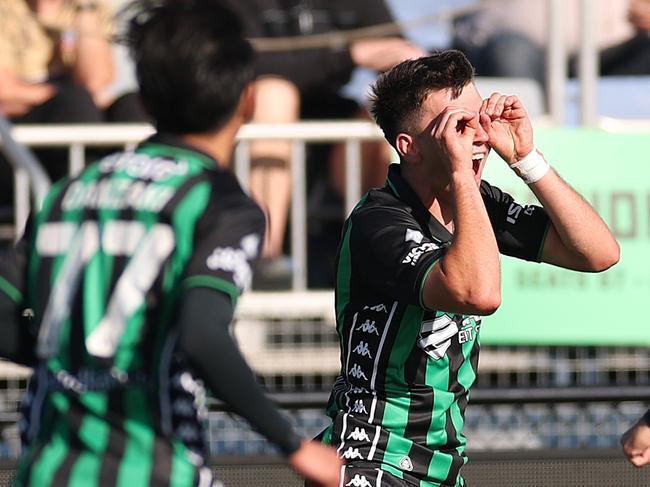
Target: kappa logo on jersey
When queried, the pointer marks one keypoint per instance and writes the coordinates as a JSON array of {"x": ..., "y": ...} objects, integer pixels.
[
  {"x": 236, "y": 260},
  {"x": 435, "y": 335},
  {"x": 357, "y": 373},
  {"x": 358, "y": 390},
  {"x": 416, "y": 252},
  {"x": 378, "y": 308},
  {"x": 368, "y": 327},
  {"x": 359, "y": 407},
  {"x": 362, "y": 349},
  {"x": 359, "y": 434},
  {"x": 413, "y": 236},
  {"x": 359, "y": 481},
  {"x": 352, "y": 454}
]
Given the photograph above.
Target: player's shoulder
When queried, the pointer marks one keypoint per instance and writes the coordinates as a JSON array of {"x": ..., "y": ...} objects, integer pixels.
[{"x": 381, "y": 206}]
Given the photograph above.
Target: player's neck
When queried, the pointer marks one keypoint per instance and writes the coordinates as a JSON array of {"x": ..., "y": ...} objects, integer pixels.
[
  {"x": 218, "y": 144},
  {"x": 437, "y": 199}
]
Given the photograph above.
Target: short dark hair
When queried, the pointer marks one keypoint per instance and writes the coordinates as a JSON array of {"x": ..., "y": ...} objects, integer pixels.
[
  {"x": 398, "y": 94},
  {"x": 192, "y": 62}
]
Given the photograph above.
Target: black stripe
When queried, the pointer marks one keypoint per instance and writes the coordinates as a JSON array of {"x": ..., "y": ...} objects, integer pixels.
[
  {"x": 162, "y": 462},
  {"x": 116, "y": 440},
  {"x": 74, "y": 417},
  {"x": 454, "y": 470}
]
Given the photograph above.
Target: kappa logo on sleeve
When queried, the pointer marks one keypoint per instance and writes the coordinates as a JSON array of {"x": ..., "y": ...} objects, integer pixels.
[{"x": 413, "y": 236}]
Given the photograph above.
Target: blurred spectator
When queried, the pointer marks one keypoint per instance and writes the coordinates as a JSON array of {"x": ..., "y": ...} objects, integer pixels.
[
  {"x": 508, "y": 37},
  {"x": 56, "y": 66},
  {"x": 305, "y": 83}
]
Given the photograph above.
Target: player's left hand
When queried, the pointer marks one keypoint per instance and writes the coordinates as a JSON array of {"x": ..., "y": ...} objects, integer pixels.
[{"x": 508, "y": 126}]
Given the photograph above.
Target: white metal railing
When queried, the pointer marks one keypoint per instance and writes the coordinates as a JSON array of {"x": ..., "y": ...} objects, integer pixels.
[{"x": 77, "y": 137}]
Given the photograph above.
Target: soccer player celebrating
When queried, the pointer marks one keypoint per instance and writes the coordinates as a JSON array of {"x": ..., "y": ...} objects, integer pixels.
[
  {"x": 418, "y": 266},
  {"x": 132, "y": 272}
]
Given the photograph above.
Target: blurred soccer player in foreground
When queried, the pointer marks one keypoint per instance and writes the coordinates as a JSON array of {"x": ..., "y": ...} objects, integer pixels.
[
  {"x": 132, "y": 271},
  {"x": 418, "y": 266}
]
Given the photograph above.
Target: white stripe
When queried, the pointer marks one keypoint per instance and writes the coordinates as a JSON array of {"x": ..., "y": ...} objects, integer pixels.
[
  {"x": 373, "y": 406},
  {"x": 342, "y": 479},
  {"x": 380, "y": 474},
  {"x": 347, "y": 362},
  {"x": 121, "y": 237},
  {"x": 345, "y": 426},
  {"x": 381, "y": 346},
  {"x": 375, "y": 440}
]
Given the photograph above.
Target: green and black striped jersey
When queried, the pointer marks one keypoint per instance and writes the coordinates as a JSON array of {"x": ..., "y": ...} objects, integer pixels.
[
  {"x": 110, "y": 253},
  {"x": 406, "y": 371}
]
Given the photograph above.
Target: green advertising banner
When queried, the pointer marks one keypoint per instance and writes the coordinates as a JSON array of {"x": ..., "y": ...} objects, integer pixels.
[{"x": 543, "y": 304}]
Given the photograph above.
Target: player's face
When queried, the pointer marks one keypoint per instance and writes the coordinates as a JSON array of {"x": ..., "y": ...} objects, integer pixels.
[{"x": 470, "y": 100}]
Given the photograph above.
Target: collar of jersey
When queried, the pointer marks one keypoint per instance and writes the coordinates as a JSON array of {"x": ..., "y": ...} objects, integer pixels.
[
  {"x": 397, "y": 185},
  {"x": 162, "y": 144}
]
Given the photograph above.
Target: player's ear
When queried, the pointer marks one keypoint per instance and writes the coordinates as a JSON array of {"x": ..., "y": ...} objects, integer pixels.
[
  {"x": 405, "y": 146},
  {"x": 247, "y": 102}
]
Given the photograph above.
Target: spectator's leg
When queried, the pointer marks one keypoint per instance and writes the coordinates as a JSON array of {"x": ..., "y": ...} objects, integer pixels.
[
  {"x": 375, "y": 157},
  {"x": 277, "y": 101}
]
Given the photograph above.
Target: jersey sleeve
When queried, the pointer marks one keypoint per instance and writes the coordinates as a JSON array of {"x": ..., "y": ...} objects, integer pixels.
[
  {"x": 520, "y": 230},
  {"x": 393, "y": 253},
  {"x": 227, "y": 242}
]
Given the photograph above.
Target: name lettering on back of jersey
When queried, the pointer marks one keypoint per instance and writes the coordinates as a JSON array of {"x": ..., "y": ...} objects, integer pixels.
[
  {"x": 416, "y": 252},
  {"x": 116, "y": 194},
  {"x": 143, "y": 166},
  {"x": 236, "y": 260}
]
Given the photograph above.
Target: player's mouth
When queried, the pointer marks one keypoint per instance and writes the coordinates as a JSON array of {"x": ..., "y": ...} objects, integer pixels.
[{"x": 477, "y": 162}]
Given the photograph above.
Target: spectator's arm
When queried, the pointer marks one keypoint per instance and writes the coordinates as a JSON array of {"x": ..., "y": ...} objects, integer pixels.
[
  {"x": 94, "y": 65},
  {"x": 17, "y": 97}
]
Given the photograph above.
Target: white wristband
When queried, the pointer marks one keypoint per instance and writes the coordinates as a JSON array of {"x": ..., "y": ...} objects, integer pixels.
[{"x": 532, "y": 167}]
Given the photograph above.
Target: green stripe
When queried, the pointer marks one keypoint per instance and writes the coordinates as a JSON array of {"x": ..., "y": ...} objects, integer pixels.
[
  {"x": 183, "y": 472},
  {"x": 57, "y": 447},
  {"x": 398, "y": 395},
  {"x": 137, "y": 461},
  {"x": 214, "y": 282},
  {"x": 14, "y": 294},
  {"x": 93, "y": 433}
]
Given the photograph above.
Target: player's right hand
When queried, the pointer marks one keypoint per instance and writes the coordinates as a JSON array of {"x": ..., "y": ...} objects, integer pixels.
[
  {"x": 318, "y": 463},
  {"x": 454, "y": 131},
  {"x": 636, "y": 444}
]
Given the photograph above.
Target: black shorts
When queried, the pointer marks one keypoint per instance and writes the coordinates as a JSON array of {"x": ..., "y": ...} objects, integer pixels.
[{"x": 368, "y": 475}]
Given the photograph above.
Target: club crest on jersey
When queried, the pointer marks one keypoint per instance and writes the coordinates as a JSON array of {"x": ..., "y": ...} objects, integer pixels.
[{"x": 406, "y": 464}]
